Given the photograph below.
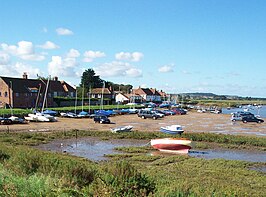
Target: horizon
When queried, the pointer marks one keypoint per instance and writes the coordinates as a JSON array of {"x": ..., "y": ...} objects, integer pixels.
[{"x": 175, "y": 46}]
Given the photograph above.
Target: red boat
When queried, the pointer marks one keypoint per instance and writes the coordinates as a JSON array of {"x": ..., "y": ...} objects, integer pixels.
[{"x": 173, "y": 145}]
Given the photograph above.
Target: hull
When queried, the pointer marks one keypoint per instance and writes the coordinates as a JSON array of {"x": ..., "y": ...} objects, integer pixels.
[
  {"x": 173, "y": 129},
  {"x": 121, "y": 129},
  {"x": 172, "y": 145}
]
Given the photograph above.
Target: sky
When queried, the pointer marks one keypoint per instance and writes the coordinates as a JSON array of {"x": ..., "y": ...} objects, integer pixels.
[{"x": 211, "y": 46}]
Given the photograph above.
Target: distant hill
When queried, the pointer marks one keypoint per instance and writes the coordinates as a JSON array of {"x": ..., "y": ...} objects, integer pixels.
[{"x": 200, "y": 94}]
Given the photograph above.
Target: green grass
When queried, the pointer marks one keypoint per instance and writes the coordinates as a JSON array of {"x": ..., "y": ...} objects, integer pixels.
[{"x": 26, "y": 171}]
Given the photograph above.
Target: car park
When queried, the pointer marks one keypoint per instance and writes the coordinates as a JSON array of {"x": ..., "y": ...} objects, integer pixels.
[{"x": 101, "y": 119}]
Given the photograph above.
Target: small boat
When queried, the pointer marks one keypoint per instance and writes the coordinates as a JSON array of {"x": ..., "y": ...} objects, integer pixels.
[
  {"x": 172, "y": 129},
  {"x": 17, "y": 120},
  {"x": 122, "y": 129},
  {"x": 172, "y": 145}
]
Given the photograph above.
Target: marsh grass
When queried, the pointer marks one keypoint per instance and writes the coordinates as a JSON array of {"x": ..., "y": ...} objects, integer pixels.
[{"x": 25, "y": 171}]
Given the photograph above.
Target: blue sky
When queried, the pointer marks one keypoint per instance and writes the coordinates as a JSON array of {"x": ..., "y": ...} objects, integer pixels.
[{"x": 175, "y": 46}]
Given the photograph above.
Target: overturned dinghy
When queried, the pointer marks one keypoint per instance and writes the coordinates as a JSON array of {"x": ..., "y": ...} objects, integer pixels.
[
  {"x": 122, "y": 129},
  {"x": 172, "y": 145}
]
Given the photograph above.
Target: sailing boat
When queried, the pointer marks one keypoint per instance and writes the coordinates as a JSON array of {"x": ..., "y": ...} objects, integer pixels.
[
  {"x": 82, "y": 114},
  {"x": 40, "y": 116}
]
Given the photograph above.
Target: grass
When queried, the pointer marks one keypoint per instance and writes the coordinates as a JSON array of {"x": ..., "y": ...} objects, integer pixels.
[{"x": 26, "y": 171}]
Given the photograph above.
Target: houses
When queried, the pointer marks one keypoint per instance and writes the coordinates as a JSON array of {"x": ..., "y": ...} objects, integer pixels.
[
  {"x": 141, "y": 95},
  {"x": 106, "y": 94},
  {"x": 28, "y": 93}
]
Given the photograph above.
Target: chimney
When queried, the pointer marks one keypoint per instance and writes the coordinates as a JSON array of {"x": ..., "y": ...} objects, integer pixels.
[
  {"x": 25, "y": 76},
  {"x": 55, "y": 78}
]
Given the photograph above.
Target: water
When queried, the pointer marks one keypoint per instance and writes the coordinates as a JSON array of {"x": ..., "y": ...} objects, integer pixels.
[
  {"x": 96, "y": 149},
  {"x": 255, "y": 110}
]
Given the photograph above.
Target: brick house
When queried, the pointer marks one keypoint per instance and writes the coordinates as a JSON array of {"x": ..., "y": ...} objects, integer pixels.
[{"x": 23, "y": 92}]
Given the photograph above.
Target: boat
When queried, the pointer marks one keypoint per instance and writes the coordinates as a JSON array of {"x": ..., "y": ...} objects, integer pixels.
[
  {"x": 40, "y": 116},
  {"x": 122, "y": 129},
  {"x": 17, "y": 120},
  {"x": 172, "y": 129},
  {"x": 172, "y": 145}
]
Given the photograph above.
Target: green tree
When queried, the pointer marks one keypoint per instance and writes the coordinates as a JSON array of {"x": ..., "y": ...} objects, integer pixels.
[{"x": 90, "y": 80}]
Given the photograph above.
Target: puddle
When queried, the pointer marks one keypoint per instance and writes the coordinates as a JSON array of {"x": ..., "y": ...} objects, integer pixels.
[{"x": 96, "y": 149}]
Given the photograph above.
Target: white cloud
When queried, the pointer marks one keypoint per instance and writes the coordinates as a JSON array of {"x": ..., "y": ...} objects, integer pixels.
[
  {"x": 134, "y": 57},
  {"x": 89, "y": 56},
  {"x": 64, "y": 32},
  {"x": 62, "y": 67},
  {"x": 186, "y": 72},
  {"x": 24, "y": 50},
  {"x": 117, "y": 69},
  {"x": 73, "y": 53},
  {"x": 18, "y": 69},
  {"x": 49, "y": 45},
  {"x": 166, "y": 69},
  {"x": 4, "y": 58}
]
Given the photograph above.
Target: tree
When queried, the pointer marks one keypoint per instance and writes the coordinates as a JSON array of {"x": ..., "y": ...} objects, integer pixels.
[{"x": 90, "y": 80}]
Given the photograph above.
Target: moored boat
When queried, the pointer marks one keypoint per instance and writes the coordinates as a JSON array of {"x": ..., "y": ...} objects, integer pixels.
[
  {"x": 172, "y": 145},
  {"x": 172, "y": 129},
  {"x": 122, "y": 129}
]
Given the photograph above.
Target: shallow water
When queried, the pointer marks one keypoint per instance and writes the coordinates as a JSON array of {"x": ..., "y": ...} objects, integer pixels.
[{"x": 96, "y": 149}]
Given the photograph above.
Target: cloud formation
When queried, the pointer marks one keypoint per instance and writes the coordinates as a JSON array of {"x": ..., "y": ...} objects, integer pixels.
[
  {"x": 49, "y": 45},
  {"x": 166, "y": 69},
  {"x": 18, "y": 69},
  {"x": 73, "y": 53},
  {"x": 134, "y": 57},
  {"x": 117, "y": 69},
  {"x": 89, "y": 56},
  {"x": 62, "y": 67},
  {"x": 24, "y": 50},
  {"x": 64, "y": 32}
]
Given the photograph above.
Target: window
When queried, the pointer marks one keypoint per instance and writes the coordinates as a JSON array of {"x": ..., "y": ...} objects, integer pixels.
[
  {"x": 99, "y": 95},
  {"x": 17, "y": 94},
  {"x": 6, "y": 94},
  {"x": 55, "y": 94},
  {"x": 0, "y": 94}
]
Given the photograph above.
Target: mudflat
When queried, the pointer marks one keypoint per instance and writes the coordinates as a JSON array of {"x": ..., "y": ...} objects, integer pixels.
[{"x": 192, "y": 122}]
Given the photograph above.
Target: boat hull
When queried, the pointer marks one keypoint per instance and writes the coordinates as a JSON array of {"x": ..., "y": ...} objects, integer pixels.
[
  {"x": 173, "y": 132},
  {"x": 172, "y": 145}
]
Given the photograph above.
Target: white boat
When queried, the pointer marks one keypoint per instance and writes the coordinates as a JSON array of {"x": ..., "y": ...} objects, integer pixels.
[
  {"x": 122, "y": 129},
  {"x": 40, "y": 117},
  {"x": 172, "y": 129},
  {"x": 172, "y": 145}
]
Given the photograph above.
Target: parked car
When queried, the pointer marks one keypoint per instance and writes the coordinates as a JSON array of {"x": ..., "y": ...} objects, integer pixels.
[
  {"x": 159, "y": 113},
  {"x": 5, "y": 121},
  {"x": 101, "y": 119},
  {"x": 246, "y": 119},
  {"x": 148, "y": 114},
  {"x": 238, "y": 116},
  {"x": 179, "y": 111}
]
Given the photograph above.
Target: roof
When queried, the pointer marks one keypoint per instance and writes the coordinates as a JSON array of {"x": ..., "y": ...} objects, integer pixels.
[
  {"x": 100, "y": 91},
  {"x": 20, "y": 85},
  {"x": 142, "y": 91}
]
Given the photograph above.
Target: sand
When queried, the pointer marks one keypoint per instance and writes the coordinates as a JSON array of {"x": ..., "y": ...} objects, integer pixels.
[{"x": 192, "y": 122}]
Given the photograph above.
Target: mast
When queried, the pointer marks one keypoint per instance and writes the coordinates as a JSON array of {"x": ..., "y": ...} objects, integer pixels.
[
  {"x": 76, "y": 101},
  {"x": 45, "y": 95},
  {"x": 102, "y": 96}
]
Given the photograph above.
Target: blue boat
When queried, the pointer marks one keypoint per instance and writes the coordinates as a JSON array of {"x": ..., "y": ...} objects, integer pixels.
[{"x": 172, "y": 129}]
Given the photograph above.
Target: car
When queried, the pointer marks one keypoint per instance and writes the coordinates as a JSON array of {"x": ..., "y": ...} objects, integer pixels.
[
  {"x": 179, "y": 111},
  {"x": 148, "y": 114},
  {"x": 238, "y": 116},
  {"x": 101, "y": 119},
  {"x": 5, "y": 121},
  {"x": 246, "y": 119},
  {"x": 159, "y": 113}
]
